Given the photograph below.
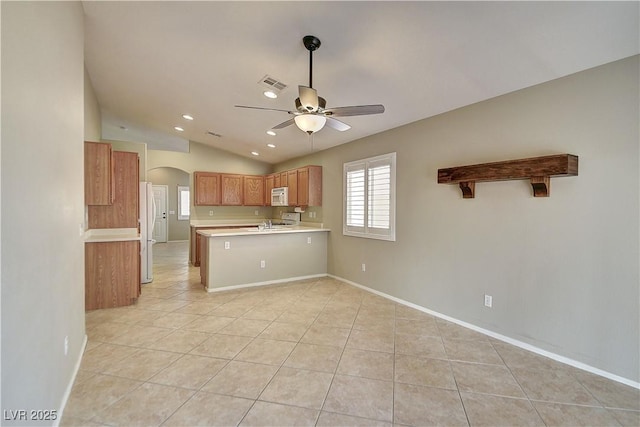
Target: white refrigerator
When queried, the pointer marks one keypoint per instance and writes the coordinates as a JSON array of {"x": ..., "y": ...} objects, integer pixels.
[{"x": 147, "y": 221}]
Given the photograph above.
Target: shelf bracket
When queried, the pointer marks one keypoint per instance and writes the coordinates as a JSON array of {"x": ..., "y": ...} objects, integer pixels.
[
  {"x": 541, "y": 186},
  {"x": 468, "y": 189}
]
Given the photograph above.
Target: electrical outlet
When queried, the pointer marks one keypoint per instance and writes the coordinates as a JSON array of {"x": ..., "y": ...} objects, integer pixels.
[
  {"x": 66, "y": 345},
  {"x": 263, "y": 264},
  {"x": 309, "y": 240},
  {"x": 227, "y": 245},
  {"x": 364, "y": 267},
  {"x": 488, "y": 301},
  {"x": 210, "y": 213},
  {"x": 256, "y": 212}
]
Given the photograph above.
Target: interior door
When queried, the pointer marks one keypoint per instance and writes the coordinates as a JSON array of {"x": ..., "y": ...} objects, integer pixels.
[{"x": 161, "y": 229}]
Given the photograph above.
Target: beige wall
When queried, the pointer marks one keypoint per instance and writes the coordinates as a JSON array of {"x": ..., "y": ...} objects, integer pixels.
[
  {"x": 92, "y": 119},
  {"x": 563, "y": 271},
  {"x": 42, "y": 167},
  {"x": 172, "y": 177}
]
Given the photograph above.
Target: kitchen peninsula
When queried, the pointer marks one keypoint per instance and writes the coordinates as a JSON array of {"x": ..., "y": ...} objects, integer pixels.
[{"x": 252, "y": 256}]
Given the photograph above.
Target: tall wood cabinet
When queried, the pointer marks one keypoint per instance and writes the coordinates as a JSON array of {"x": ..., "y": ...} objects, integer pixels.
[
  {"x": 310, "y": 186},
  {"x": 98, "y": 174},
  {"x": 124, "y": 211}
]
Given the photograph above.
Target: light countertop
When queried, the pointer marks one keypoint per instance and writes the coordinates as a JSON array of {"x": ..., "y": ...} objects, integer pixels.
[
  {"x": 254, "y": 231},
  {"x": 198, "y": 223},
  {"x": 97, "y": 235}
]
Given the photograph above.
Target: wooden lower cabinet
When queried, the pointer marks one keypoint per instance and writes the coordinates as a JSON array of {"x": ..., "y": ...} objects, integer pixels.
[
  {"x": 203, "y": 245},
  {"x": 112, "y": 274},
  {"x": 194, "y": 248}
]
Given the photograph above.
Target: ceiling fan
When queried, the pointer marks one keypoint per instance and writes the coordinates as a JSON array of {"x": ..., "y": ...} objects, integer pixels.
[{"x": 311, "y": 113}]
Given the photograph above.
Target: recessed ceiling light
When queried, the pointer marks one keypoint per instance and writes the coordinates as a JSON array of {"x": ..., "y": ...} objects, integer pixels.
[
  {"x": 187, "y": 117},
  {"x": 270, "y": 132},
  {"x": 271, "y": 145},
  {"x": 255, "y": 153},
  {"x": 270, "y": 94},
  {"x": 178, "y": 128}
]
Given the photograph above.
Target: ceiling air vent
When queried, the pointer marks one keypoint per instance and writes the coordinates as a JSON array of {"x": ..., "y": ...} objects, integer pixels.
[
  {"x": 213, "y": 134},
  {"x": 272, "y": 83}
]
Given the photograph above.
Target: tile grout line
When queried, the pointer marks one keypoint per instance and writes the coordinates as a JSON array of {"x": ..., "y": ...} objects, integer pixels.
[{"x": 335, "y": 371}]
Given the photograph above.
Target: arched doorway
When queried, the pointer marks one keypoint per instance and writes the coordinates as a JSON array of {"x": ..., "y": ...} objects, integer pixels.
[{"x": 175, "y": 180}]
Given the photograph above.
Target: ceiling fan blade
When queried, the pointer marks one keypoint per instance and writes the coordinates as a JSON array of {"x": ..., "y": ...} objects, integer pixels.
[
  {"x": 284, "y": 124},
  {"x": 356, "y": 110},
  {"x": 308, "y": 98},
  {"x": 337, "y": 124},
  {"x": 263, "y": 108}
]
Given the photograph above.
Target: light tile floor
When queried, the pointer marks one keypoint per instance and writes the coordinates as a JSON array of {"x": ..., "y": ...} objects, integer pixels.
[{"x": 316, "y": 352}]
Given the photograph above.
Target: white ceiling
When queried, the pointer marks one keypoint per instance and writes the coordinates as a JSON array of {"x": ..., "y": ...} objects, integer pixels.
[{"x": 151, "y": 62}]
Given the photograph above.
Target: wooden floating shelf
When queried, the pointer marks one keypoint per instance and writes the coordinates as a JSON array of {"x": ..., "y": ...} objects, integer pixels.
[{"x": 538, "y": 169}]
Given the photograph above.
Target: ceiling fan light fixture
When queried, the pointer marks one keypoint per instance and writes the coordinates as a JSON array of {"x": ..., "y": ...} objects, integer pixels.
[{"x": 310, "y": 123}]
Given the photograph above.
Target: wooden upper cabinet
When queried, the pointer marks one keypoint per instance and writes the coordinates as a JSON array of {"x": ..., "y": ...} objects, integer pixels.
[
  {"x": 269, "y": 184},
  {"x": 207, "y": 188},
  {"x": 231, "y": 190},
  {"x": 292, "y": 183},
  {"x": 214, "y": 188},
  {"x": 310, "y": 186},
  {"x": 253, "y": 190},
  {"x": 124, "y": 211},
  {"x": 98, "y": 174}
]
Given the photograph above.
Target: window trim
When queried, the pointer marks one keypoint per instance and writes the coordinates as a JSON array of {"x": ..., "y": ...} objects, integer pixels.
[
  {"x": 366, "y": 231},
  {"x": 181, "y": 189}
]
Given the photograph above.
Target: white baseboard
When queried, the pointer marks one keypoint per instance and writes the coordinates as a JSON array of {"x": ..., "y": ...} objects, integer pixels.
[
  {"x": 508, "y": 340},
  {"x": 269, "y": 282},
  {"x": 67, "y": 392}
]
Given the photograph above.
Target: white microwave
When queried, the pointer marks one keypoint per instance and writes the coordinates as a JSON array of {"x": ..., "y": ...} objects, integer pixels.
[{"x": 280, "y": 196}]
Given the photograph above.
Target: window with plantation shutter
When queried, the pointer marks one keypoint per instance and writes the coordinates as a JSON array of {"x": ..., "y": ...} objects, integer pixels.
[{"x": 369, "y": 197}]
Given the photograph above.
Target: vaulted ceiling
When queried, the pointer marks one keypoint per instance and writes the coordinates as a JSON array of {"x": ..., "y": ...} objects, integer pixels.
[{"x": 151, "y": 62}]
